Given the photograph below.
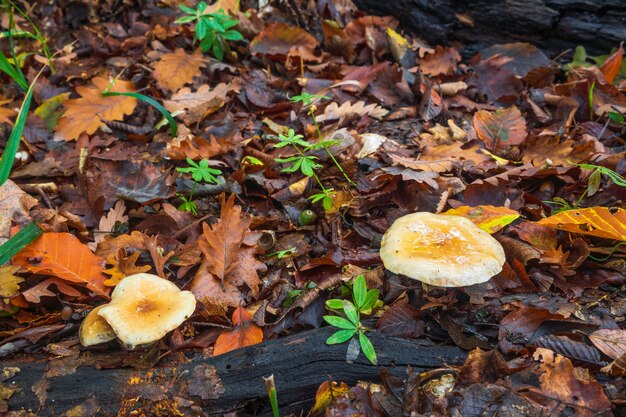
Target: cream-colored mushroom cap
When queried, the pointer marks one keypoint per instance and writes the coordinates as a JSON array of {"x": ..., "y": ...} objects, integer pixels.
[
  {"x": 94, "y": 329},
  {"x": 144, "y": 307},
  {"x": 441, "y": 250}
]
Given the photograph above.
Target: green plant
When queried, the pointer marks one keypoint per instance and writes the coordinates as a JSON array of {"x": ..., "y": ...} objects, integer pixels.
[
  {"x": 593, "y": 185},
  {"x": 364, "y": 301},
  {"x": 282, "y": 253},
  {"x": 12, "y": 67},
  {"x": 200, "y": 172},
  {"x": 270, "y": 387},
  {"x": 213, "y": 30},
  {"x": 18, "y": 241},
  {"x": 304, "y": 163},
  {"x": 308, "y": 100}
]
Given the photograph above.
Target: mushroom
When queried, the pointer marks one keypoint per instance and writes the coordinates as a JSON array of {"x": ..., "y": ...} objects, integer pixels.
[
  {"x": 94, "y": 329},
  {"x": 441, "y": 250},
  {"x": 144, "y": 307}
]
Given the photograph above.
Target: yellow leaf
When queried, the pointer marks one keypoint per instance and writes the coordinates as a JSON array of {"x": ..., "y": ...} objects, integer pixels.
[
  {"x": 9, "y": 283},
  {"x": 609, "y": 223},
  {"x": 123, "y": 266},
  {"x": 178, "y": 68},
  {"x": 489, "y": 218},
  {"x": 325, "y": 394},
  {"x": 85, "y": 114}
]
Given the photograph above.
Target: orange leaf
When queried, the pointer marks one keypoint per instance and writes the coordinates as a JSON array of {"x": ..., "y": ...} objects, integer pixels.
[
  {"x": 326, "y": 393},
  {"x": 178, "y": 68},
  {"x": 123, "y": 266},
  {"x": 502, "y": 128},
  {"x": 613, "y": 65},
  {"x": 609, "y": 223},
  {"x": 62, "y": 255},
  {"x": 489, "y": 218},
  {"x": 245, "y": 333},
  {"x": 442, "y": 61},
  {"x": 85, "y": 114}
]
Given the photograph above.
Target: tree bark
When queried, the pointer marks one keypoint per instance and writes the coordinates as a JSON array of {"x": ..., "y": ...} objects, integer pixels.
[
  {"x": 553, "y": 25},
  {"x": 222, "y": 384}
]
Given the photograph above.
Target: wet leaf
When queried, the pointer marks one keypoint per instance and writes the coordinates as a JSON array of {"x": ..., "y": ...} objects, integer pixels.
[{"x": 489, "y": 218}]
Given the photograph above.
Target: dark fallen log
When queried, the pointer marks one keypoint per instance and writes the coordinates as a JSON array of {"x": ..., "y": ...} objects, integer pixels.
[
  {"x": 226, "y": 383},
  {"x": 553, "y": 25}
]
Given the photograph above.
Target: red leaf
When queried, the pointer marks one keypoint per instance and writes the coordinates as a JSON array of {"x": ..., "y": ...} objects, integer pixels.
[{"x": 245, "y": 333}]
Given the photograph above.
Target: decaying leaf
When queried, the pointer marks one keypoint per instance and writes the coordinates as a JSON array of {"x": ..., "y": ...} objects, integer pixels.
[
  {"x": 335, "y": 112},
  {"x": 123, "y": 266},
  {"x": 85, "y": 114},
  {"x": 245, "y": 333},
  {"x": 279, "y": 40},
  {"x": 500, "y": 129},
  {"x": 611, "y": 342},
  {"x": 9, "y": 283},
  {"x": 178, "y": 68}
]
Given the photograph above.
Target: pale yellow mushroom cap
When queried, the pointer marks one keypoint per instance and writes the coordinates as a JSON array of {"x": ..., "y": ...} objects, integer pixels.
[
  {"x": 446, "y": 251},
  {"x": 94, "y": 329},
  {"x": 144, "y": 307}
]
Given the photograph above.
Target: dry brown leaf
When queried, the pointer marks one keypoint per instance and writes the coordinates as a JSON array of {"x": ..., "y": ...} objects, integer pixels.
[
  {"x": 442, "y": 61},
  {"x": 15, "y": 204},
  {"x": 85, "y": 114},
  {"x": 9, "y": 283},
  {"x": 64, "y": 256},
  {"x": 202, "y": 102},
  {"x": 611, "y": 342},
  {"x": 279, "y": 40},
  {"x": 107, "y": 223},
  {"x": 501, "y": 128},
  {"x": 42, "y": 289},
  {"x": 178, "y": 68},
  {"x": 537, "y": 150},
  {"x": 335, "y": 112},
  {"x": 194, "y": 147}
]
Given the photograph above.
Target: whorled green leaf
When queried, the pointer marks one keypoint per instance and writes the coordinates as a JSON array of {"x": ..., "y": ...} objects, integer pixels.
[
  {"x": 368, "y": 348},
  {"x": 339, "y": 322},
  {"x": 341, "y": 336}
]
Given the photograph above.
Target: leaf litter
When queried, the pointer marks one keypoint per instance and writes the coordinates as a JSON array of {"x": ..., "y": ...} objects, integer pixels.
[{"x": 495, "y": 138}]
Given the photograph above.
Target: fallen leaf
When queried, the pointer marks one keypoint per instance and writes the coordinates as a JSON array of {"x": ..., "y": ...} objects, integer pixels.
[
  {"x": 123, "y": 266},
  {"x": 609, "y": 223},
  {"x": 245, "y": 333},
  {"x": 109, "y": 221},
  {"x": 523, "y": 57},
  {"x": 611, "y": 342},
  {"x": 42, "y": 289},
  {"x": 401, "y": 320},
  {"x": 442, "y": 61},
  {"x": 278, "y": 41},
  {"x": 15, "y": 205},
  {"x": 9, "y": 283},
  {"x": 325, "y": 394},
  {"x": 502, "y": 128},
  {"x": 201, "y": 103},
  {"x": 85, "y": 114},
  {"x": 62, "y": 255},
  {"x": 613, "y": 65},
  {"x": 335, "y": 112},
  {"x": 178, "y": 68},
  {"x": 489, "y": 218}
]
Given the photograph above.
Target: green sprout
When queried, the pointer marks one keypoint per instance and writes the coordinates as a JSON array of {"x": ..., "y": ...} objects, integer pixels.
[
  {"x": 308, "y": 100},
  {"x": 213, "y": 30},
  {"x": 351, "y": 326},
  {"x": 200, "y": 172}
]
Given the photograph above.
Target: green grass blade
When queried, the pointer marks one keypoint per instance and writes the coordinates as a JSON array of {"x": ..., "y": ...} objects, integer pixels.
[
  {"x": 8, "y": 156},
  {"x": 153, "y": 103},
  {"x": 18, "y": 241},
  {"x": 11, "y": 71},
  {"x": 270, "y": 386}
]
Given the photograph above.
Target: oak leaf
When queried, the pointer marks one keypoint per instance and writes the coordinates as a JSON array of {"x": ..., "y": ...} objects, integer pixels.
[
  {"x": 85, "y": 114},
  {"x": 245, "y": 333},
  {"x": 178, "y": 68},
  {"x": 335, "y": 112},
  {"x": 42, "y": 289},
  {"x": 202, "y": 102},
  {"x": 9, "y": 283},
  {"x": 502, "y": 128},
  {"x": 63, "y": 256},
  {"x": 123, "y": 266}
]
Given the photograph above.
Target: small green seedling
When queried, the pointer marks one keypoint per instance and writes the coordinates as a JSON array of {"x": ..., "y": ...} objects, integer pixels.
[
  {"x": 364, "y": 301},
  {"x": 282, "y": 253},
  {"x": 308, "y": 100},
  {"x": 270, "y": 386},
  {"x": 200, "y": 172},
  {"x": 213, "y": 30},
  {"x": 593, "y": 185},
  {"x": 304, "y": 163}
]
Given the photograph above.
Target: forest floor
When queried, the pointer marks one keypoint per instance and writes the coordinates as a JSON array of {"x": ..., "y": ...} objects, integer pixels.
[{"x": 269, "y": 192}]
